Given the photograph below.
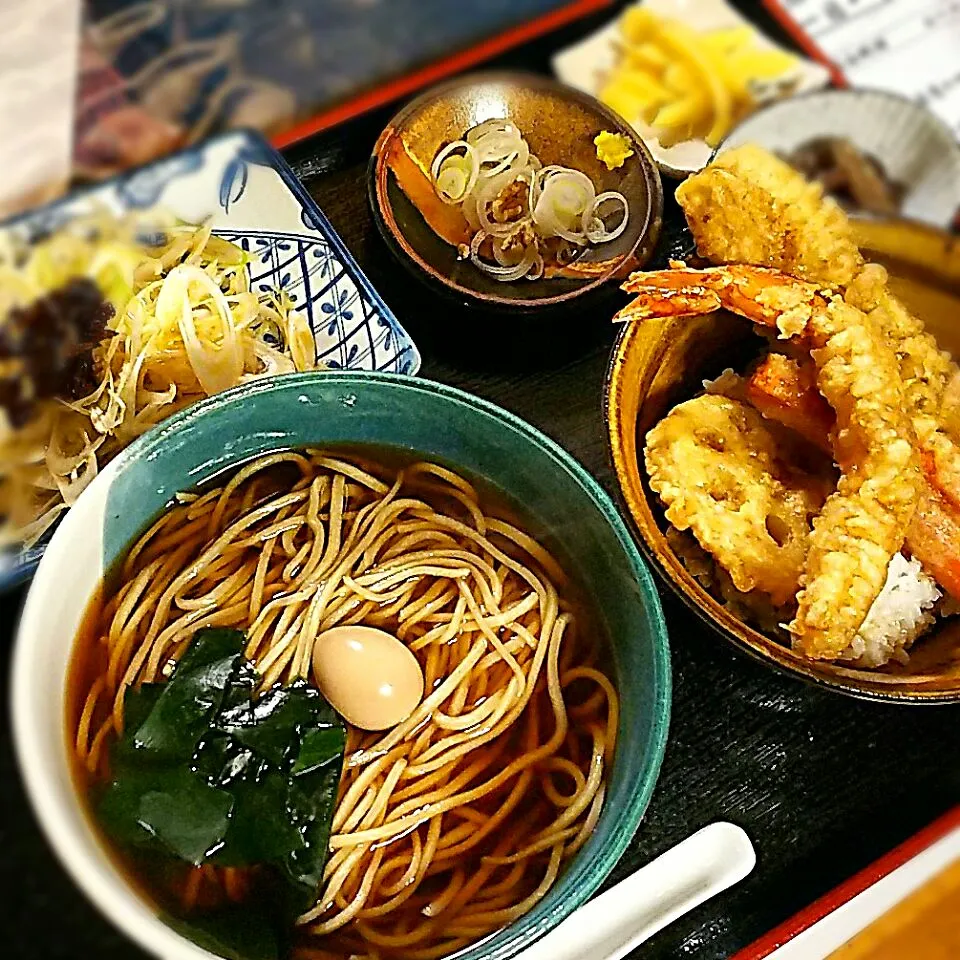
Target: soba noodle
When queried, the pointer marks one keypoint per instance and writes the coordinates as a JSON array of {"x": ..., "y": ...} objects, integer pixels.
[{"x": 456, "y": 821}]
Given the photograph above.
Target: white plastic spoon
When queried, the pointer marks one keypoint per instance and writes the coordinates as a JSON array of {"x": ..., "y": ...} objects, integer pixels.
[{"x": 613, "y": 924}]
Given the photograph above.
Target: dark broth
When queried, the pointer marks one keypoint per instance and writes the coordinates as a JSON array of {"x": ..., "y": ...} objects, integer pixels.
[{"x": 161, "y": 882}]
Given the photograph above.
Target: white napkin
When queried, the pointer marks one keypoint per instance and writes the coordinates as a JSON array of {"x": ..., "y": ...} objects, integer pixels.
[
  {"x": 39, "y": 40},
  {"x": 910, "y": 47}
]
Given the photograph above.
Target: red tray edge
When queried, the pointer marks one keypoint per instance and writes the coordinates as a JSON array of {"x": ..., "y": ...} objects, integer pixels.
[
  {"x": 463, "y": 59},
  {"x": 847, "y": 890},
  {"x": 803, "y": 40}
]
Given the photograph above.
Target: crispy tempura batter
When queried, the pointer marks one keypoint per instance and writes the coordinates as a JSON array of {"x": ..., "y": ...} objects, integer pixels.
[
  {"x": 786, "y": 391},
  {"x": 748, "y": 206},
  {"x": 719, "y": 469},
  {"x": 925, "y": 369},
  {"x": 753, "y": 607},
  {"x": 882, "y": 374},
  {"x": 864, "y": 523}
]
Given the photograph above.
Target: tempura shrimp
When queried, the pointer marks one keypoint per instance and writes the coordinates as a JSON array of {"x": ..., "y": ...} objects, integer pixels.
[
  {"x": 863, "y": 524},
  {"x": 750, "y": 207},
  {"x": 785, "y": 391}
]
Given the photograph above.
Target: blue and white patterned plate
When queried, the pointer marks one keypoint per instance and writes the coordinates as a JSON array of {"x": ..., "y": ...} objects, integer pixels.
[{"x": 249, "y": 195}]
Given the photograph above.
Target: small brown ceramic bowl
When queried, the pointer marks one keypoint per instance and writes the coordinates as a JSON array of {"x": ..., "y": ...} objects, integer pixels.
[
  {"x": 560, "y": 124},
  {"x": 659, "y": 363}
]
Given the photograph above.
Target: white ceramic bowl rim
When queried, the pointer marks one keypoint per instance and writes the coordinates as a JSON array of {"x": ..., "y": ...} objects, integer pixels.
[
  {"x": 76, "y": 552},
  {"x": 929, "y": 168},
  {"x": 55, "y": 803}
]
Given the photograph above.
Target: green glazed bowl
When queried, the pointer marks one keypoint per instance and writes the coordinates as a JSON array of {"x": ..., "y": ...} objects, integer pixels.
[{"x": 557, "y": 496}]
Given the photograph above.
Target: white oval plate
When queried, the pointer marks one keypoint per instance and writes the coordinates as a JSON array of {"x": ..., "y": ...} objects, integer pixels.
[{"x": 587, "y": 64}]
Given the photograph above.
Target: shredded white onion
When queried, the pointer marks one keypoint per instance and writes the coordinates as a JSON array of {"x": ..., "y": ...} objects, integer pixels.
[
  {"x": 497, "y": 125},
  {"x": 501, "y": 273},
  {"x": 554, "y": 202},
  {"x": 536, "y": 271},
  {"x": 449, "y": 161},
  {"x": 217, "y": 365},
  {"x": 593, "y": 225},
  {"x": 563, "y": 197},
  {"x": 186, "y": 324}
]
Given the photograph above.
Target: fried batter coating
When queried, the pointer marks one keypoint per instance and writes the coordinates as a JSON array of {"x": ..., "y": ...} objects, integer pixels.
[
  {"x": 718, "y": 467},
  {"x": 924, "y": 368},
  {"x": 786, "y": 391},
  {"x": 754, "y": 607},
  {"x": 748, "y": 206},
  {"x": 863, "y": 524},
  {"x": 936, "y": 527},
  {"x": 940, "y": 461}
]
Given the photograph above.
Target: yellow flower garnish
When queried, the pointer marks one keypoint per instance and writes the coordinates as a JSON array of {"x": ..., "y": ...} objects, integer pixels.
[{"x": 612, "y": 149}]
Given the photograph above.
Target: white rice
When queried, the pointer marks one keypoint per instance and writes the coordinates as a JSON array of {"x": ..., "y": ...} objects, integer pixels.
[{"x": 901, "y": 613}]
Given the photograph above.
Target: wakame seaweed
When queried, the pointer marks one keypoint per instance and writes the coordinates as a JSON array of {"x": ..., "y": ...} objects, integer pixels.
[{"x": 206, "y": 773}]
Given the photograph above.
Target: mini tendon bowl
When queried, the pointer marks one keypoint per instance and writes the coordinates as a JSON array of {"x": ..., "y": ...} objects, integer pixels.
[
  {"x": 659, "y": 363},
  {"x": 410, "y": 415},
  {"x": 560, "y": 124}
]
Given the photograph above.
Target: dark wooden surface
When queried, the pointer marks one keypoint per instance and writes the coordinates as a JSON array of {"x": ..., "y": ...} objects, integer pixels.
[{"x": 822, "y": 783}]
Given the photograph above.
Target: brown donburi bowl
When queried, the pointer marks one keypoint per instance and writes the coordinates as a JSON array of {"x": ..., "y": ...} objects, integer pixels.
[
  {"x": 658, "y": 363},
  {"x": 560, "y": 124}
]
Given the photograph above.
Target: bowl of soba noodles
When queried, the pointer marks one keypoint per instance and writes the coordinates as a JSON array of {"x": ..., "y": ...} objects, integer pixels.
[{"x": 340, "y": 665}]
